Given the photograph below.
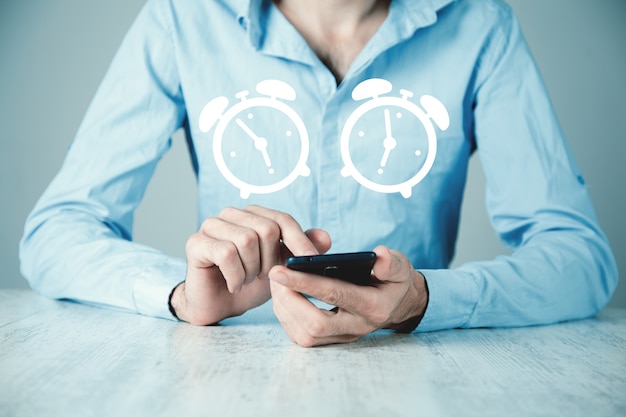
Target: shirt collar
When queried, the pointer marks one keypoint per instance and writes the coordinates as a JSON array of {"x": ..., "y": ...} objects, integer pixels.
[
  {"x": 409, "y": 15},
  {"x": 251, "y": 17}
]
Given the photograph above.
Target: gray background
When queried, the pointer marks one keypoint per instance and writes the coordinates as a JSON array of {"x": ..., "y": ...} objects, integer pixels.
[{"x": 53, "y": 54}]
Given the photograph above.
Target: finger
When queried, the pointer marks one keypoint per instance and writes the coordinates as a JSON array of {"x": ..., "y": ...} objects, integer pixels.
[
  {"x": 307, "y": 325},
  {"x": 263, "y": 236},
  {"x": 204, "y": 252},
  {"x": 390, "y": 266},
  {"x": 348, "y": 296},
  {"x": 290, "y": 231},
  {"x": 244, "y": 239},
  {"x": 282, "y": 298},
  {"x": 319, "y": 238}
]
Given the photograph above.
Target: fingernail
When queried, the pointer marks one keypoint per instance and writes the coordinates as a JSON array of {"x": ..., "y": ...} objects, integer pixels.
[{"x": 279, "y": 278}]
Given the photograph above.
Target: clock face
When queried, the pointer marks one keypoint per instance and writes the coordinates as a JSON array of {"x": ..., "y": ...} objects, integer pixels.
[
  {"x": 261, "y": 146},
  {"x": 388, "y": 145}
]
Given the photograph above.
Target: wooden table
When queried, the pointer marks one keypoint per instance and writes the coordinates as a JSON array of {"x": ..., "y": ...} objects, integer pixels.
[{"x": 66, "y": 359}]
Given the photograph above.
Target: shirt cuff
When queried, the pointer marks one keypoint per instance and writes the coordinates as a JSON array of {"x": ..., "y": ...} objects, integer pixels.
[
  {"x": 152, "y": 288},
  {"x": 452, "y": 297}
]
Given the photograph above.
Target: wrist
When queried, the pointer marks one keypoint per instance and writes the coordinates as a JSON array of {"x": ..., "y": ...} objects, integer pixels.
[{"x": 420, "y": 304}]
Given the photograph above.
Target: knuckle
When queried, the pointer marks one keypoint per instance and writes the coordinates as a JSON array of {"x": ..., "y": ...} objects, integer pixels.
[
  {"x": 207, "y": 224},
  {"x": 403, "y": 265},
  {"x": 268, "y": 231},
  {"x": 284, "y": 218},
  {"x": 334, "y": 297},
  {"x": 226, "y": 212},
  {"x": 315, "y": 328},
  {"x": 247, "y": 239},
  {"x": 192, "y": 242},
  {"x": 226, "y": 253}
]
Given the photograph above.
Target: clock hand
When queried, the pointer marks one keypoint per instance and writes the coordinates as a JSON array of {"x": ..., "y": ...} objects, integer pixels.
[
  {"x": 387, "y": 124},
  {"x": 259, "y": 143},
  {"x": 389, "y": 143}
]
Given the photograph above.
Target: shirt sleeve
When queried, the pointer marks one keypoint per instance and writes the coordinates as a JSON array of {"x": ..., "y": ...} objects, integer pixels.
[
  {"x": 561, "y": 266},
  {"x": 77, "y": 240}
]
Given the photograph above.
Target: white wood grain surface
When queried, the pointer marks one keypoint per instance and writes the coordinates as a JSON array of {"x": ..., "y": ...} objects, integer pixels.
[{"x": 65, "y": 359}]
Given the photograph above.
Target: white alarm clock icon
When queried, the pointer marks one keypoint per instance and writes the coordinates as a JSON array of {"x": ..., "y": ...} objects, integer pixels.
[
  {"x": 398, "y": 130},
  {"x": 260, "y": 144}
]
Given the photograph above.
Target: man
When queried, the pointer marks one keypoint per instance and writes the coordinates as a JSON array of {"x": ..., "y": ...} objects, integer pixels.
[{"x": 352, "y": 120}]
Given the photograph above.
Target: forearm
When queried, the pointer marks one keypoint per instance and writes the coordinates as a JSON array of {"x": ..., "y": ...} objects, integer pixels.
[
  {"x": 558, "y": 276},
  {"x": 74, "y": 256}
]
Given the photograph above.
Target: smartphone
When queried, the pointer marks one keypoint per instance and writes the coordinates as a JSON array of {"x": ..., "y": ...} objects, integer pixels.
[{"x": 355, "y": 267}]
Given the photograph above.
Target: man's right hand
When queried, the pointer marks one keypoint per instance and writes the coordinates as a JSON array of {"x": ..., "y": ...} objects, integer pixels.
[{"x": 229, "y": 258}]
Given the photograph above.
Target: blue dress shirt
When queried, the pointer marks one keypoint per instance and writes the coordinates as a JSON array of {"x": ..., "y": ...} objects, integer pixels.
[{"x": 380, "y": 158}]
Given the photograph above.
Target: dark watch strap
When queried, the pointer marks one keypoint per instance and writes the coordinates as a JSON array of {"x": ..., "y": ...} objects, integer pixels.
[{"x": 169, "y": 301}]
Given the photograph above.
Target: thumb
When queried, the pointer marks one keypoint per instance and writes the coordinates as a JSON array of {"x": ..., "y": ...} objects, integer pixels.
[{"x": 388, "y": 266}]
